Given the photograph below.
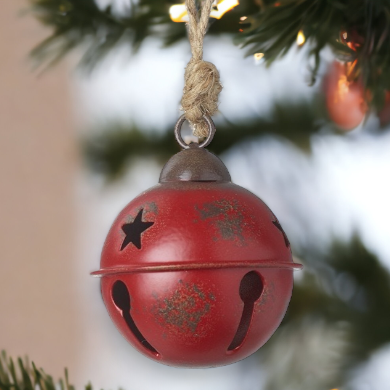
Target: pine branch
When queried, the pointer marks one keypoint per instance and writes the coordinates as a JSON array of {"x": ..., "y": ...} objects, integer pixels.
[
  {"x": 343, "y": 294},
  {"x": 82, "y": 24},
  {"x": 347, "y": 284},
  {"x": 274, "y": 29},
  {"x": 24, "y": 375},
  {"x": 109, "y": 152}
]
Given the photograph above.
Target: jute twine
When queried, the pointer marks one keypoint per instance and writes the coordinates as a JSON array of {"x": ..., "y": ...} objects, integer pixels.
[{"x": 202, "y": 85}]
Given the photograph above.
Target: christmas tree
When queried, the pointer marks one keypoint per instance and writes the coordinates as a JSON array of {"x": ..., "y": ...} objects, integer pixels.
[{"x": 342, "y": 298}]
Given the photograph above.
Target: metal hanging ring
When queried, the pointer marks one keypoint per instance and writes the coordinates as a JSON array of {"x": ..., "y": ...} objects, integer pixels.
[{"x": 203, "y": 144}]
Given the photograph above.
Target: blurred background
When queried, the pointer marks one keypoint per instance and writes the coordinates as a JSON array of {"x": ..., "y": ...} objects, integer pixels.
[{"x": 78, "y": 142}]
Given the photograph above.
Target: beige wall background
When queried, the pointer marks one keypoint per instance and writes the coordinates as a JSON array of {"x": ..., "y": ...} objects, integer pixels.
[{"x": 38, "y": 161}]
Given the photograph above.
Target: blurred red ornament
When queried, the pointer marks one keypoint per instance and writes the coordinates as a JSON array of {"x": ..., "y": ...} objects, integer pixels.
[
  {"x": 345, "y": 99},
  {"x": 196, "y": 271}
]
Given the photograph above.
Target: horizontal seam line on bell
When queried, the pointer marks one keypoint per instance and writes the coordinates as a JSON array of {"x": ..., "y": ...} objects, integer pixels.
[{"x": 193, "y": 266}]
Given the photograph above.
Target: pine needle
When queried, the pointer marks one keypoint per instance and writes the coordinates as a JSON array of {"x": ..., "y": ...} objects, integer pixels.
[{"x": 26, "y": 376}]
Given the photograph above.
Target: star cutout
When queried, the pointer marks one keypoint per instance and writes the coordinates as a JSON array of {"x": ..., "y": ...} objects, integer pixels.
[
  {"x": 277, "y": 224},
  {"x": 134, "y": 230}
]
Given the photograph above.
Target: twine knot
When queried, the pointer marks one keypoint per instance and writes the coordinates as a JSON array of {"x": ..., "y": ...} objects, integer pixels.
[{"x": 202, "y": 85}]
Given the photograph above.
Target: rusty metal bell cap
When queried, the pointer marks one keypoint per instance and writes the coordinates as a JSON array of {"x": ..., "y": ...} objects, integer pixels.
[{"x": 195, "y": 164}]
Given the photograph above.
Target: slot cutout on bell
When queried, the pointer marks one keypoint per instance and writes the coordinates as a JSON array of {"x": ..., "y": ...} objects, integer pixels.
[
  {"x": 121, "y": 298},
  {"x": 251, "y": 287}
]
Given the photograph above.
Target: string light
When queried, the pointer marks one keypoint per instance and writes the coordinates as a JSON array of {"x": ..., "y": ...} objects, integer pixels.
[
  {"x": 178, "y": 12},
  {"x": 223, "y": 7},
  {"x": 301, "y": 39},
  {"x": 243, "y": 18},
  {"x": 258, "y": 58}
]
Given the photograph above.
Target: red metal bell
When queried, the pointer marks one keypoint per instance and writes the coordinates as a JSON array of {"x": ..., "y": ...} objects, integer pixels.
[{"x": 196, "y": 271}]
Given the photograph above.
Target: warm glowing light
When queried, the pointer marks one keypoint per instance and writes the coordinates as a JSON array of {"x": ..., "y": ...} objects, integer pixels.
[
  {"x": 351, "y": 67},
  {"x": 258, "y": 56},
  {"x": 243, "y": 18},
  {"x": 178, "y": 12},
  {"x": 301, "y": 39},
  {"x": 223, "y": 7},
  {"x": 352, "y": 45},
  {"x": 342, "y": 90},
  {"x": 345, "y": 36}
]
